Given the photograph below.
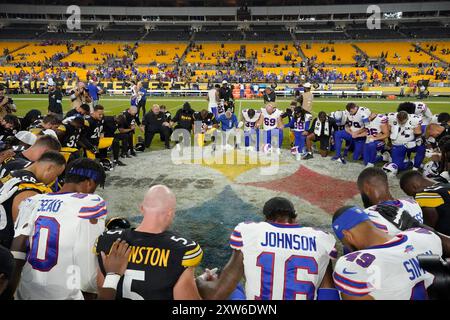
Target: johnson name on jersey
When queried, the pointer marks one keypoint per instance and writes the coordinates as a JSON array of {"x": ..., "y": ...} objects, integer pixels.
[
  {"x": 62, "y": 229},
  {"x": 408, "y": 205},
  {"x": 282, "y": 261},
  {"x": 390, "y": 271},
  {"x": 156, "y": 262}
]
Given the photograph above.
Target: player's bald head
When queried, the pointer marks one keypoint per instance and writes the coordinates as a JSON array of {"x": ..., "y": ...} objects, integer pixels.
[
  {"x": 158, "y": 199},
  {"x": 413, "y": 182}
]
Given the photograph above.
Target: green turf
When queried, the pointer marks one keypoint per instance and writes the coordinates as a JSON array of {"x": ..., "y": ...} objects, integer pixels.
[{"x": 115, "y": 104}]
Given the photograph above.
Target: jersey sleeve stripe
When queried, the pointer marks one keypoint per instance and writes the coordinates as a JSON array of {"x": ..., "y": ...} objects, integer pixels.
[
  {"x": 239, "y": 244},
  {"x": 196, "y": 249},
  {"x": 194, "y": 260},
  {"x": 380, "y": 226},
  {"x": 350, "y": 292},
  {"x": 430, "y": 202},
  {"x": 102, "y": 212},
  {"x": 348, "y": 282},
  {"x": 193, "y": 255},
  {"x": 237, "y": 234},
  {"x": 93, "y": 208},
  {"x": 334, "y": 254}
]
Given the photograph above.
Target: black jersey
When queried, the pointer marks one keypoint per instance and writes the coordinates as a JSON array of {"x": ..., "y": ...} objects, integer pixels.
[
  {"x": 437, "y": 197},
  {"x": 93, "y": 130},
  {"x": 155, "y": 264},
  {"x": 71, "y": 135},
  {"x": 16, "y": 162},
  {"x": 209, "y": 120},
  {"x": 444, "y": 133},
  {"x": 27, "y": 182}
]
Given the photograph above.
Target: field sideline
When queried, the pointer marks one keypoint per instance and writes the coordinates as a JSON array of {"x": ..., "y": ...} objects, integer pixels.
[{"x": 115, "y": 104}]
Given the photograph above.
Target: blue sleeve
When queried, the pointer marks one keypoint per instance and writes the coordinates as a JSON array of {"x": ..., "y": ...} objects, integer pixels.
[{"x": 290, "y": 124}]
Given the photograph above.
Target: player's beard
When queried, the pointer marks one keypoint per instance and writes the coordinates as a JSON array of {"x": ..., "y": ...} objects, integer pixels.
[{"x": 366, "y": 200}]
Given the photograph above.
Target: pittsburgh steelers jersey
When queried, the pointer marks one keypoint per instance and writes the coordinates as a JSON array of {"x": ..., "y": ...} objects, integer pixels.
[
  {"x": 359, "y": 120},
  {"x": 424, "y": 112},
  {"x": 62, "y": 229},
  {"x": 250, "y": 123},
  {"x": 374, "y": 127},
  {"x": 409, "y": 205},
  {"x": 389, "y": 271},
  {"x": 155, "y": 264},
  {"x": 270, "y": 120},
  {"x": 282, "y": 261},
  {"x": 437, "y": 197},
  {"x": 71, "y": 135},
  {"x": 401, "y": 134},
  {"x": 93, "y": 130},
  {"x": 27, "y": 182}
]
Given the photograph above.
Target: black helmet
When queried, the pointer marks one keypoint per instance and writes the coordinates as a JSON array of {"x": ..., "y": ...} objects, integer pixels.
[{"x": 117, "y": 223}]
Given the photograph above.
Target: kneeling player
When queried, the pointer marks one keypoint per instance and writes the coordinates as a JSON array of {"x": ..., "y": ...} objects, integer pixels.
[
  {"x": 251, "y": 117},
  {"x": 271, "y": 119},
  {"x": 322, "y": 129},
  {"x": 300, "y": 123},
  {"x": 377, "y": 131}
]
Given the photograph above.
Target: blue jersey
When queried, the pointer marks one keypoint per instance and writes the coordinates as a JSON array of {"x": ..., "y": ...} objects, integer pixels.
[{"x": 226, "y": 123}]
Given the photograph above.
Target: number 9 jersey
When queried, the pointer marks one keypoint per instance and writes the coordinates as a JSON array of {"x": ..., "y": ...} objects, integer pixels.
[
  {"x": 155, "y": 264},
  {"x": 282, "y": 261},
  {"x": 389, "y": 271}
]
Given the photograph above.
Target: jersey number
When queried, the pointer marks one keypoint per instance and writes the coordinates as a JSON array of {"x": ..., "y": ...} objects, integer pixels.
[
  {"x": 44, "y": 249},
  {"x": 292, "y": 286},
  {"x": 128, "y": 278},
  {"x": 269, "y": 122}
]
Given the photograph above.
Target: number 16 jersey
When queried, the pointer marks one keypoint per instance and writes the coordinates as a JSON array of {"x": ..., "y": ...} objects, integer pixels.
[{"x": 282, "y": 261}]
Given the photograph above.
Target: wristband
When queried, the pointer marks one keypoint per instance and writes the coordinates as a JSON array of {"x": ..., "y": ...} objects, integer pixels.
[
  {"x": 111, "y": 281},
  {"x": 19, "y": 255}
]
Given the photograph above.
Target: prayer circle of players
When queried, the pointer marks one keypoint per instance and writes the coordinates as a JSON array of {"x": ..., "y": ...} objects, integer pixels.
[{"x": 253, "y": 138}]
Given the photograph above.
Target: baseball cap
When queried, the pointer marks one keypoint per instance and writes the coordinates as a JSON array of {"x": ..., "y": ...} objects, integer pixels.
[
  {"x": 26, "y": 137},
  {"x": 50, "y": 132},
  {"x": 307, "y": 85},
  {"x": 224, "y": 82},
  {"x": 50, "y": 82}
]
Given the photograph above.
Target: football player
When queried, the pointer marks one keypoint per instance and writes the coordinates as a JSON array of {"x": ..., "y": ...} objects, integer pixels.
[
  {"x": 357, "y": 119},
  {"x": 300, "y": 123},
  {"x": 207, "y": 123},
  {"x": 381, "y": 266},
  {"x": 250, "y": 117},
  {"x": 30, "y": 181},
  {"x": 373, "y": 186},
  {"x": 55, "y": 234},
  {"x": 161, "y": 264},
  {"x": 92, "y": 132},
  {"x": 406, "y": 137},
  {"x": 417, "y": 108},
  {"x": 280, "y": 259},
  {"x": 433, "y": 198},
  {"x": 376, "y": 132},
  {"x": 322, "y": 129},
  {"x": 270, "y": 119}
]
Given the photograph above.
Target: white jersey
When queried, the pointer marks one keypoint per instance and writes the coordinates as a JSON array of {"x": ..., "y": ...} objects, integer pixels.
[
  {"x": 359, "y": 120},
  {"x": 250, "y": 123},
  {"x": 423, "y": 111},
  {"x": 340, "y": 117},
  {"x": 374, "y": 126},
  {"x": 300, "y": 125},
  {"x": 270, "y": 120},
  {"x": 62, "y": 230},
  {"x": 410, "y": 205},
  {"x": 277, "y": 257},
  {"x": 401, "y": 134},
  {"x": 390, "y": 271},
  {"x": 212, "y": 103}
]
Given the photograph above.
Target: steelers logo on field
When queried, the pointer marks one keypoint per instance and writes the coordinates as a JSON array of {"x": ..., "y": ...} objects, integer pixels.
[{"x": 214, "y": 196}]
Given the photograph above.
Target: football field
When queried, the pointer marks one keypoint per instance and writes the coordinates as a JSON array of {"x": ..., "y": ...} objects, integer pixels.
[{"x": 212, "y": 198}]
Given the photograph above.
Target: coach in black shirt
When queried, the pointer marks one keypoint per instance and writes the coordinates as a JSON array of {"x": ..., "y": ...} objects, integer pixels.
[
  {"x": 54, "y": 99},
  {"x": 184, "y": 118},
  {"x": 156, "y": 121}
]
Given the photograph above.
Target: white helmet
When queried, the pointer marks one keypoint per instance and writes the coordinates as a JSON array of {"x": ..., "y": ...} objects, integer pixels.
[
  {"x": 391, "y": 169},
  {"x": 337, "y": 115},
  {"x": 430, "y": 169}
]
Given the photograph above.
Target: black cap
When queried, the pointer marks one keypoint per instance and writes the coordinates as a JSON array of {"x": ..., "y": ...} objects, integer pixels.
[
  {"x": 118, "y": 223},
  {"x": 279, "y": 206},
  {"x": 6, "y": 262}
]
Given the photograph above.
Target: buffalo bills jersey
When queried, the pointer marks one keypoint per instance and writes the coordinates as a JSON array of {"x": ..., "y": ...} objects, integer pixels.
[
  {"x": 155, "y": 264},
  {"x": 389, "y": 271},
  {"x": 270, "y": 121},
  {"x": 403, "y": 133},
  {"x": 424, "y": 112},
  {"x": 250, "y": 123},
  {"x": 282, "y": 261},
  {"x": 408, "y": 205},
  {"x": 359, "y": 120},
  {"x": 62, "y": 229},
  {"x": 374, "y": 127}
]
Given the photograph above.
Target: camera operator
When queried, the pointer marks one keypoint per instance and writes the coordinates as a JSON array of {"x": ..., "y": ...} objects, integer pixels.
[
  {"x": 9, "y": 126},
  {"x": 225, "y": 94},
  {"x": 80, "y": 95},
  {"x": 54, "y": 99},
  {"x": 7, "y": 105},
  {"x": 269, "y": 94}
]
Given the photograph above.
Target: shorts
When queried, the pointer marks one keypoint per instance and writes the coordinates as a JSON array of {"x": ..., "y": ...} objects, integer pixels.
[{"x": 324, "y": 142}]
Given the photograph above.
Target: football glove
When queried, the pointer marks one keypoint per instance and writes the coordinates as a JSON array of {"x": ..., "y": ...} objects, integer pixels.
[{"x": 400, "y": 218}]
